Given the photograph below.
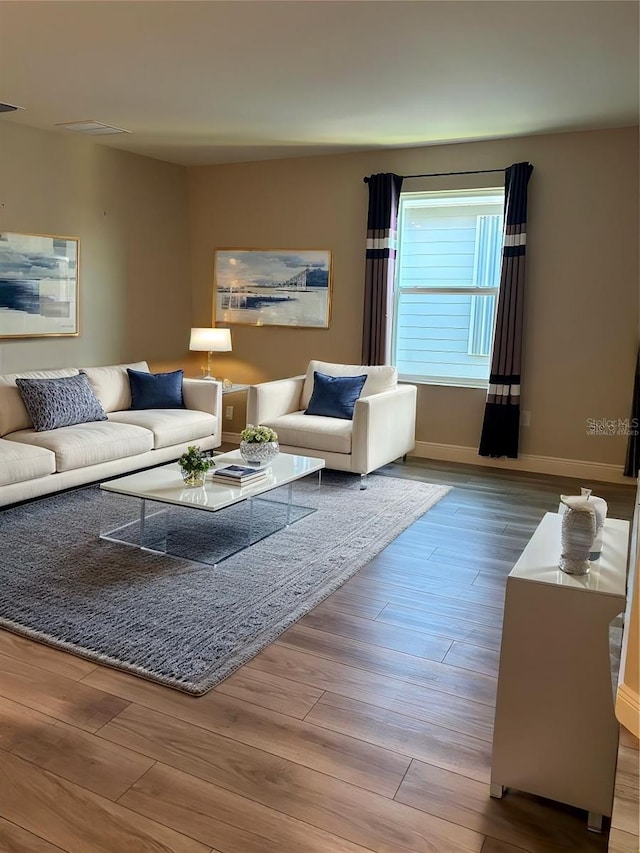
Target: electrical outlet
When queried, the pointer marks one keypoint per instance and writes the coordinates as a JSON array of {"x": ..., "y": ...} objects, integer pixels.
[
  {"x": 228, "y": 413},
  {"x": 525, "y": 419}
]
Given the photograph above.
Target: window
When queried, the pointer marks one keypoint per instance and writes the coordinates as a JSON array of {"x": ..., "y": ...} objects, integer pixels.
[{"x": 446, "y": 287}]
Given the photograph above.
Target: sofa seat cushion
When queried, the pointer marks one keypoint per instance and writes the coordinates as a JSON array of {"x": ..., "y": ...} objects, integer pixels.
[
  {"x": 83, "y": 445},
  {"x": 22, "y": 462},
  {"x": 169, "y": 426},
  {"x": 313, "y": 431}
]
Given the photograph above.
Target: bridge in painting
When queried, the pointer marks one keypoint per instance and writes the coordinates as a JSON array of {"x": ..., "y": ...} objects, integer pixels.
[{"x": 296, "y": 282}]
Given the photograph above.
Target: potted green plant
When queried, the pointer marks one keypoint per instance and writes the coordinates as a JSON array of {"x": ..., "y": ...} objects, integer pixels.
[
  {"x": 258, "y": 444},
  {"x": 194, "y": 466}
]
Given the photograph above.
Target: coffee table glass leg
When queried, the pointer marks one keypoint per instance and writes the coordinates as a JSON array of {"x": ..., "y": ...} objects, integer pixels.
[
  {"x": 121, "y": 520},
  {"x": 143, "y": 511},
  {"x": 250, "y": 521},
  {"x": 154, "y": 526},
  {"x": 289, "y": 493}
]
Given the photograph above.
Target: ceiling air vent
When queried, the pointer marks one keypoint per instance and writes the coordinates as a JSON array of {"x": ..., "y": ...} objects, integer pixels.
[
  {"x": 9, "y": 108},
  {"x": 92, "y": 128}
]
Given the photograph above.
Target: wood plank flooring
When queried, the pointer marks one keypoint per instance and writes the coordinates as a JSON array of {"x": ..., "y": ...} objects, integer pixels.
[
  {"x": 625, "y": 820},
  {"x": 364, "y": 728}
]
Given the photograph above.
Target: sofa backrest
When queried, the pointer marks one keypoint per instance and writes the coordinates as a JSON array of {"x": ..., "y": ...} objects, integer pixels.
[
  {"x": 380, "y": 378},
  {"x": 111, "y": 384},
  {"x": 13, "y": 414}
]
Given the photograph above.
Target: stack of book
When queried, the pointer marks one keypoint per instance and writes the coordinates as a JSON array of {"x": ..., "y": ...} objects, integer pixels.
[{"x": 239, "y": 474}]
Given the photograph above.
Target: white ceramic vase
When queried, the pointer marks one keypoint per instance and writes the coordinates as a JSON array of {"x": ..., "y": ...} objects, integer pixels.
[
  {"x": 578, "y": 533},
  {"x": 600, "y": 508}
]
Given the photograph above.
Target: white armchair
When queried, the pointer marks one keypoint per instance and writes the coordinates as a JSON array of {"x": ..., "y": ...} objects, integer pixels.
[{"x": 382, "y": 429}]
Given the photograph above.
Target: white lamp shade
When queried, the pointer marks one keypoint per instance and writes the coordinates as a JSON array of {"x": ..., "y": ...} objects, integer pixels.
[{"x": 210, "y": 340}]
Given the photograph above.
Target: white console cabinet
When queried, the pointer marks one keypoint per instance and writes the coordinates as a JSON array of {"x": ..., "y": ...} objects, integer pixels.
[{"x": 555, "y": 732}]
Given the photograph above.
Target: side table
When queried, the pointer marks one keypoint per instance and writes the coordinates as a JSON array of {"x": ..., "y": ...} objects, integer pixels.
[
  {"x": 233, "y": 388},
  {"x": 556, "y": 734},
  {"x": 227, "y": 412},
  {"x": 230, "y": 389}
]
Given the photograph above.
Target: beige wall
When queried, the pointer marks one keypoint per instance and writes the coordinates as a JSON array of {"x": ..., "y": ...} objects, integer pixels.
[
  {"x": 138, "y": 298},
  {"x": 130, "y": 214},
  {"x": 582, "y": 289}
]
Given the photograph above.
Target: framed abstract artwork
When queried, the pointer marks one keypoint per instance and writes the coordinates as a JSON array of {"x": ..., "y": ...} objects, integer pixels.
[
  {"x": 38, "y": 285},
  {"x": 273, "y": 287}
]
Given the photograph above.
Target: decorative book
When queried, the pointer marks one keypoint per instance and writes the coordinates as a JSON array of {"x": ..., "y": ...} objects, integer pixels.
[{"x": 239, "y": 474}]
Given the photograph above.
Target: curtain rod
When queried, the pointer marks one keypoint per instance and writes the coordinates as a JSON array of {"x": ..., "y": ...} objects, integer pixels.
[{"x": 447, "y": 174}]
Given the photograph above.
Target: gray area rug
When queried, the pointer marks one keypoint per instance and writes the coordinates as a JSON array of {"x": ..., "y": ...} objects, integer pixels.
[{"x": 173, "y": 620}]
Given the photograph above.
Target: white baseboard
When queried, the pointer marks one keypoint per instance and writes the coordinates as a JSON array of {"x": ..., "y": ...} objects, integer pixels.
[{"x": 575, "y": 468}]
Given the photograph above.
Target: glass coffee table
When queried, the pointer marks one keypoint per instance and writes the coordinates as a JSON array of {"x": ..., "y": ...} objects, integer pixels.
[{"x": 154, "y": 510}]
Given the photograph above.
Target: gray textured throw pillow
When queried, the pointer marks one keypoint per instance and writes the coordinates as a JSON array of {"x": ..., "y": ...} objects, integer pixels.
[{"x": 54, "y": 403}]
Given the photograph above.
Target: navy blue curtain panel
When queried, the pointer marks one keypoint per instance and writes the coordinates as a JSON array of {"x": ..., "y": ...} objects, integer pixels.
[
  {"x": 501, "y": 426},
  {"x": 382, "y": 227},
  {"x": 632, "y": 463}
]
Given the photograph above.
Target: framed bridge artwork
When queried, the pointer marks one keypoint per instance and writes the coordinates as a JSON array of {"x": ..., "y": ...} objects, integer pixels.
[
  {"x": 38, "y": 285},
  {"x": 273, "y": 287}
]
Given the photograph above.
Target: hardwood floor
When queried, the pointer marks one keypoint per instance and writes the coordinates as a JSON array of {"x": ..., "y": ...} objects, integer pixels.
[
  {"x": 625, "y": 821},
  {"x": 365, "y": 727}
]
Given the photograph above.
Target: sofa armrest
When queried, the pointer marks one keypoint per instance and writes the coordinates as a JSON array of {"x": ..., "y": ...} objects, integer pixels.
[
  {"x": 384, "y": 428},
  {"x": 203, "y": 395},
  {"x": 270, "y": 400}
]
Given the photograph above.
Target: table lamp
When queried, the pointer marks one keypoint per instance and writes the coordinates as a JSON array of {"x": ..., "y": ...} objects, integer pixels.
[{"x": 210, "y": 341}]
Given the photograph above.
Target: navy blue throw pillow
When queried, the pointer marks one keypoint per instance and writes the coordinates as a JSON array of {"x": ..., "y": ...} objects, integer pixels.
[
  {"x": 156, "y": 390},
  {"x": 335, "y": 396}
]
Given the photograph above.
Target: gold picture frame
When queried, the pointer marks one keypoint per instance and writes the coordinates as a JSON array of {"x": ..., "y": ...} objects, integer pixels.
[
  {"x": 39, "y": 285},
  {"x": 273, "y": 287}
]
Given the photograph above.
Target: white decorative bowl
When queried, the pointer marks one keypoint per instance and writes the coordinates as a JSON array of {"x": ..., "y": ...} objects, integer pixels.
[{"x": 259, "y": 452}]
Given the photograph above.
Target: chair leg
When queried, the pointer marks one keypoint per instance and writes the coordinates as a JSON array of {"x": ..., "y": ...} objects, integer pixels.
[
  {"x": 363, "y": 482},
  {"x": 404, "y": 458}
]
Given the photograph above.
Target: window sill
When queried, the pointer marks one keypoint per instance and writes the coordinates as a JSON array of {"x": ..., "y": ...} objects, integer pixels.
[{"x": 447, "y": 383}]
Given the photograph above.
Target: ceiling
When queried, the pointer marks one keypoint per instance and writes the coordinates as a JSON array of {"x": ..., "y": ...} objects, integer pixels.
[{"x": 203, "y": 81}]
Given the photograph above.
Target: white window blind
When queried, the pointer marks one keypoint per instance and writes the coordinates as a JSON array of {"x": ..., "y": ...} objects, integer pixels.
[
  {"x": 447, "y": 279},
  {"x": 486, "y": 273}
]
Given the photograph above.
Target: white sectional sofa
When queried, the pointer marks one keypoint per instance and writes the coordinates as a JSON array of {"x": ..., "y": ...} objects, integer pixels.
[{"x": 37, "y": 463}]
